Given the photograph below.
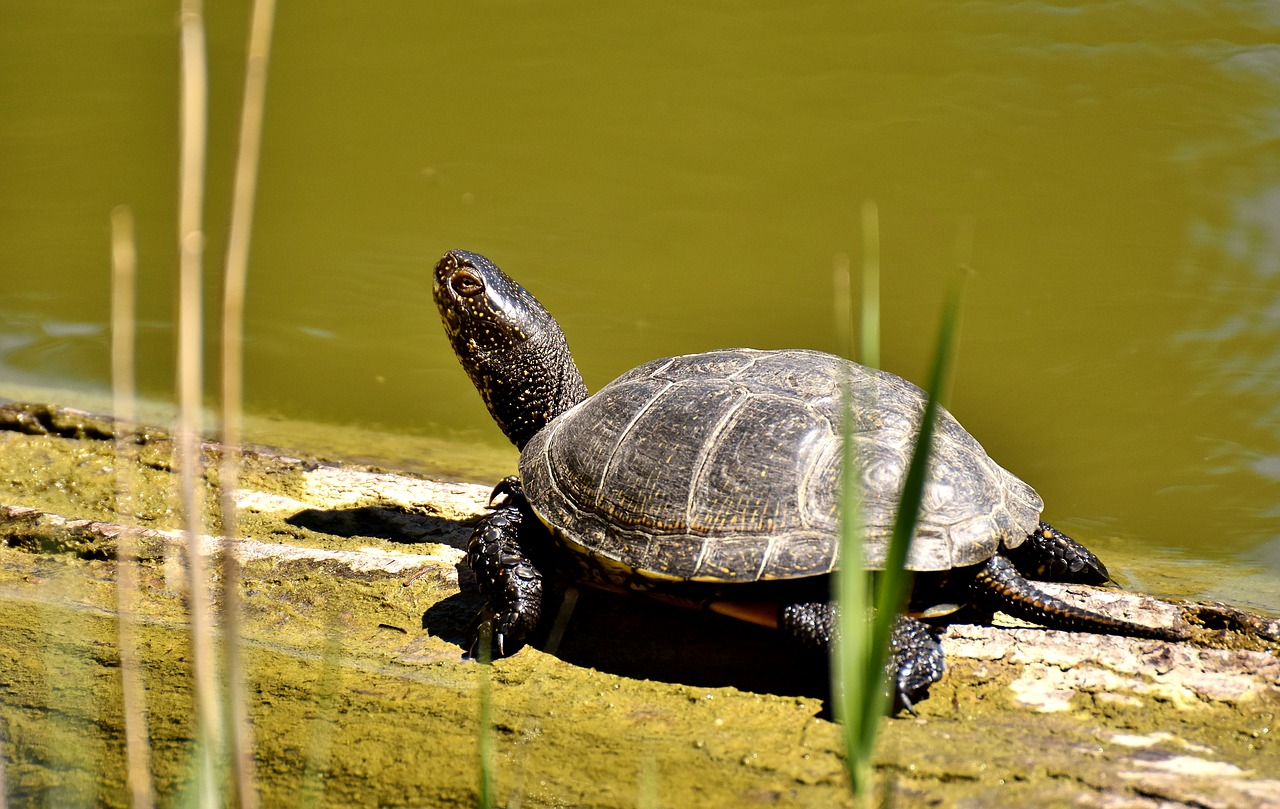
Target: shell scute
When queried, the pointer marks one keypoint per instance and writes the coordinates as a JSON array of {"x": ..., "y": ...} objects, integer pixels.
[{"x": 725, "y": 467}]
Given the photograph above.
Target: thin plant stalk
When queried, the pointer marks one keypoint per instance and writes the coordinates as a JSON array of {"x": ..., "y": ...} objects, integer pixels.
[
  {"x": 647, "y": 783},
  {"x": 320, "y": 747},
  {"x": 485, "y": 740},
  {"x": 242, "y": 205},
  {"x": 123, "y": 319},
  {"x": 536, "y": 692},
  {"x": 852, "y": 594},
  {"x": 894, "y": 583},
  {"x": 841, "y": 280},
  {"x": 194, "y": 107},
  {"x": 966, "y": 233},
  {"x": 851, "y": 590},
  {"x": 891, "y": 596},
  {"x": 866, "y": 623},
  {"x": 869, "y": 344},
  {"x": 4, "y": 786},
  {"x": 852, "y": 584}
]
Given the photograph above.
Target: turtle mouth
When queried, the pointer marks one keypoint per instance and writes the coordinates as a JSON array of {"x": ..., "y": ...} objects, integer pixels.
[
  {"x": 448, "y": 301},
  {"x": 444, "y": 270},
  {"x": 448, "y": 308}
]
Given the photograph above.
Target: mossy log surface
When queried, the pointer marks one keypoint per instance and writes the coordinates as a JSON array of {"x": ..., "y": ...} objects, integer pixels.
[{"x": 356, "y": 603}]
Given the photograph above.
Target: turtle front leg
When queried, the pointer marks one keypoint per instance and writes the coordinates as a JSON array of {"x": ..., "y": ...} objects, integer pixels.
[
  {"x": 915, "y": 655},
  {"x": 509, "y": 582},
  {"x": 915, "y": 661},
  {"x": 1047, "y": 554}
]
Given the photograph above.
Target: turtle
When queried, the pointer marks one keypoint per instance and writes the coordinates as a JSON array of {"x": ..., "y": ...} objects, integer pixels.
[{"x": 712, "y": 480}]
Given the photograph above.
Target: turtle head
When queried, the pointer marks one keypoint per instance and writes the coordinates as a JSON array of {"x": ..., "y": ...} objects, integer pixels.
[
  {"x": 481, "y": 305},
  {"x": 510, "y": 346}
]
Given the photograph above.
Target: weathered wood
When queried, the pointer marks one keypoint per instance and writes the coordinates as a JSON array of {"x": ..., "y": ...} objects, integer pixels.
[{"x": 354, "y": 576}]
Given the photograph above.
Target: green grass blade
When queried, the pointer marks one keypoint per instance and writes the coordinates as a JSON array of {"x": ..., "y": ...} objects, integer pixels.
[
  {"x": 895, "y": 582},
  {"x": 852, "y": 594},
  {"x": 862, "y": 644},
  {"x": 486, "y": 754},
  {"x": 851, "y": 584},
  {"x": 319, "y": 752},
  {"x": 913, "y": 487}
]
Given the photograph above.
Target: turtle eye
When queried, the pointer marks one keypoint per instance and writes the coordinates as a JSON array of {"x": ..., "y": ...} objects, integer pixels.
[{"x": 466, "y": 283}]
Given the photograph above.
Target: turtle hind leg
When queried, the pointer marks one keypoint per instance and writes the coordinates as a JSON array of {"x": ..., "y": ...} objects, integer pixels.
[
  {"x": 509, "y": 582},
  {"x": 1047, "y": 554},
  {"x": 998, "y": 585},
  {"x": 810, "y": 626},
  {"x": 915, "y": 655}
]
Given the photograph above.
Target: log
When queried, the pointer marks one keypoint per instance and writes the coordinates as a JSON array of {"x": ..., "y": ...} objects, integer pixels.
[{"x": 357, "y": 604}]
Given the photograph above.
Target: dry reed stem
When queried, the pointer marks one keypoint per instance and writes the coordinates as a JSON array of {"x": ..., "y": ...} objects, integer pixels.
[
  {"x": 841, "y": 281},
  {"x": 242, "y": 205},
  {"x": 194, "y": 107},
  {"x": 123, "y": 320},
  {"x": 4, "y": 786}
]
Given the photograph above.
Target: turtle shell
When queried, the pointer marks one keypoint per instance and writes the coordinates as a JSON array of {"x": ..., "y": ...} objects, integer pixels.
[{"x": 725, "y": 467}]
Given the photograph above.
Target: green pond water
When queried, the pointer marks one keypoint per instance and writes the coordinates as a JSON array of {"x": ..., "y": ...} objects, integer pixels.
[{"x": 676, "y": 177}]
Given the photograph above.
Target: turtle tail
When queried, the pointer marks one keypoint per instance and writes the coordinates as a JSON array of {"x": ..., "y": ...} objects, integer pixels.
[{"x": 999, "y": 585}]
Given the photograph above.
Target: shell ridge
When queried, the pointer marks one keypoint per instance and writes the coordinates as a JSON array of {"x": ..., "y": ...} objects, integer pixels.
[
  {"x": 823, "y": 463},
  {"x": 607, "y": 467},
  {"x": 656, "y": 373},
  {"x": 754, "y": 357},
  {"x": 700, "y": 470},
  {"x": 544, "y": 458},
  {"x": 766, "y": 558}
]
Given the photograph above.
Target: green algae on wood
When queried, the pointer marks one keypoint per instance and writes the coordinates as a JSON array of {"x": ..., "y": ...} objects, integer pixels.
[{"x": 356, "y": 605}]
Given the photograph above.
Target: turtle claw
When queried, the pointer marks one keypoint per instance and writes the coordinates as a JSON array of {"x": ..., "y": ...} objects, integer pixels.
[
  {"x": 903, "y": 700},
  {"x": 496, "y": 634},
  {"x": 486, "y": 644},
  {"x": 507, "y": 488}
]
